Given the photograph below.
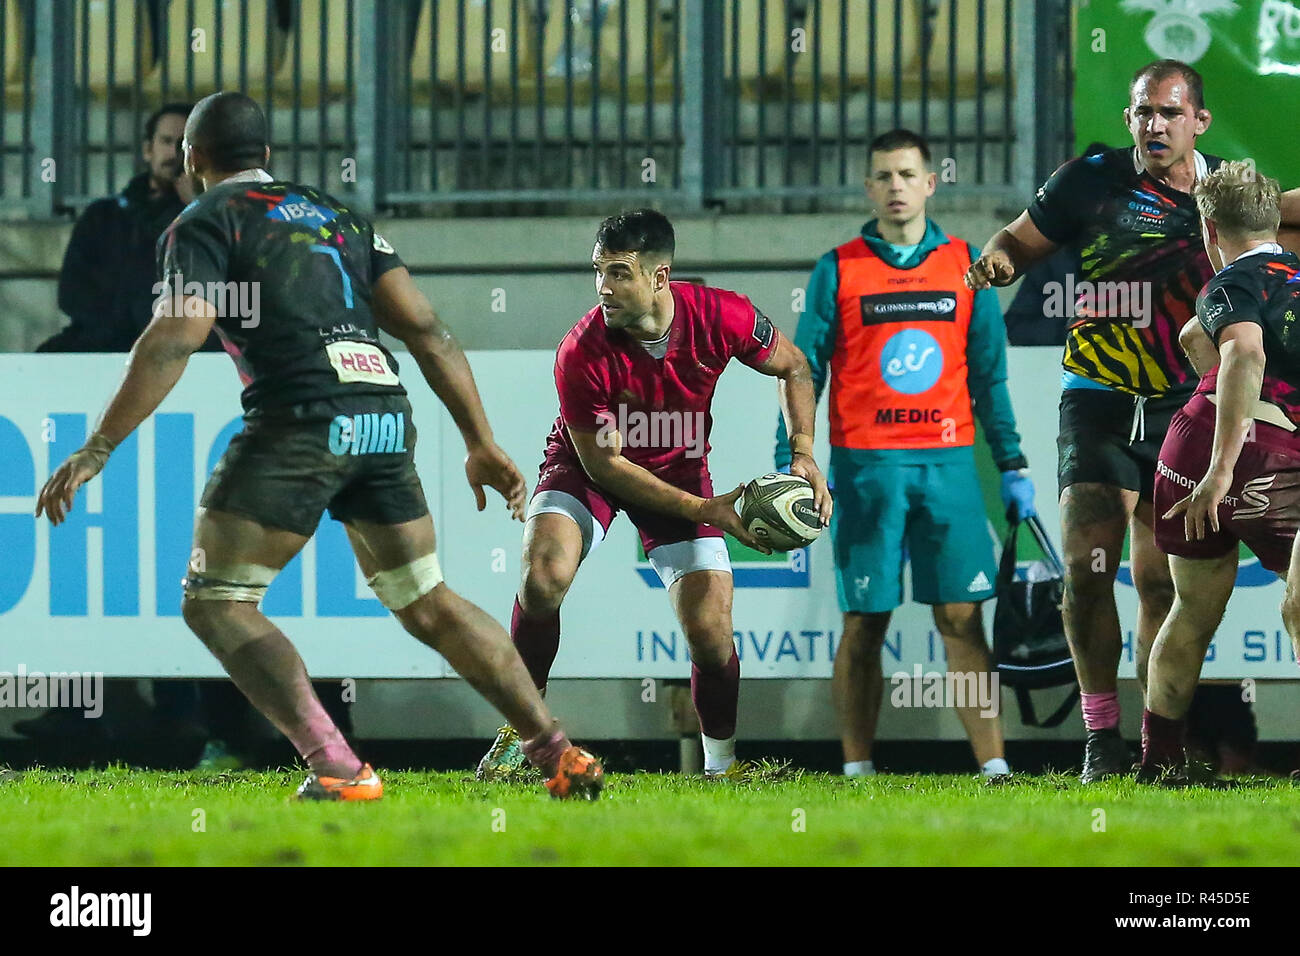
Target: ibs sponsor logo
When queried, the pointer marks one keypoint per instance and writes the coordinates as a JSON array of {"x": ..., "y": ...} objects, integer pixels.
[
  {"x": 369, "y": 433},
  {"x": 302, "y": 211},
  {"x": 911, "y": 362}
]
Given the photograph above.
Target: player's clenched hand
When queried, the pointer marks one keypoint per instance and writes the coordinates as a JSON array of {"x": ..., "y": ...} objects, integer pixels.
[
  {"x": 720, "y": 512},
  {"x": 489, "y": 465},
  {"x": 1202, "y": 505},
  {"x": 805, "y": 467},
  {"x": 55, "y": 499},
  {"x": 995, "y": 268}
]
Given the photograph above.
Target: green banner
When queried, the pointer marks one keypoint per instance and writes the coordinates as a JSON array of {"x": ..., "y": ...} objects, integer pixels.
[{"x": 1248, "y": 53}]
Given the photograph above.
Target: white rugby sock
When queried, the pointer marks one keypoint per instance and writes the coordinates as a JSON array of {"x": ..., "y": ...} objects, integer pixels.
[
  {"x": 859, "y": 768},
  {"x": 719, "y": 755},
  {"x": 995, "y": 767}
]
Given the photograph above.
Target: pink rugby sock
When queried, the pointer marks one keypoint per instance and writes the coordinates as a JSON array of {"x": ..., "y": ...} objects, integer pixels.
[
  {"x": 544, "y": 750},
  {"x": 1100, "y": 711},
  {"x": 272, "y": 676}
]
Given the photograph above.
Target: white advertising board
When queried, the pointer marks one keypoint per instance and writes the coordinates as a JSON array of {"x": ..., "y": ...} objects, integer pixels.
[{"x": 101, "y": 593}]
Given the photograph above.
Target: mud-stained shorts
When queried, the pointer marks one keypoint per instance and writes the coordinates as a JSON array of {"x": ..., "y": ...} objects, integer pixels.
[
  {"x": 352, "y": 455},
  {"x": 1093, "y": 443},
  {"x": 1262, "y": 507}
]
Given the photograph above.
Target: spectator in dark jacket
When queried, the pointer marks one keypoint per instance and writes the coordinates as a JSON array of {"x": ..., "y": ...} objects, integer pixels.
[
  {"x": 109, "y": 269},
  {"x": 106, "y": 287}
]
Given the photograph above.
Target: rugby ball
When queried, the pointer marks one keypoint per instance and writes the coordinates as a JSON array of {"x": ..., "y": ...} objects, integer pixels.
[{"x": 779, "y": 511}]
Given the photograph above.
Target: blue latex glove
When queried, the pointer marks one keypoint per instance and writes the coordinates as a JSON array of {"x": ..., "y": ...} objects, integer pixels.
[{"x": 1018, "y": 494}]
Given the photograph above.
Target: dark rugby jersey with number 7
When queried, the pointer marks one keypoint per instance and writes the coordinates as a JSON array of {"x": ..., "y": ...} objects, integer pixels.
[
  {"x": 290, "y": 270},
  {"x": 1135, "y": 236}
]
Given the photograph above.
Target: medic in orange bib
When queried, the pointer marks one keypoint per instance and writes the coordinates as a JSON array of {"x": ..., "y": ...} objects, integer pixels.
[{"x": 914, "y": 356}]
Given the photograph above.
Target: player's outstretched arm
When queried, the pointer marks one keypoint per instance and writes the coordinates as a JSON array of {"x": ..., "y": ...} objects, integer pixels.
[
  {"x": 403, "y": 312},
  {"x": 601, "y": 454},
  {"x": 179, "y": 327},
  {"x": 1009, "y": 253},
  {"x": 1241, "y": 376},
  {"x": 798, "y": 401}
]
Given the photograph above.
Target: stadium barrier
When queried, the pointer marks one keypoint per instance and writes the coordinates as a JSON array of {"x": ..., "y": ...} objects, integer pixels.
[
  {"x": 101, "y": 593},
  {"x": 529, "y": 106}
]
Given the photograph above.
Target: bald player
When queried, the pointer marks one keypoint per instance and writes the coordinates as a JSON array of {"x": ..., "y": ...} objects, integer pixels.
[
  {"x": 327, "y": 425},
  {"x": 1130, "y": 216}
]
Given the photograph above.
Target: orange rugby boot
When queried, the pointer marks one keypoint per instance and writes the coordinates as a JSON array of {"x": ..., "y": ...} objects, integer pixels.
[{"x": 366, "y": 785}]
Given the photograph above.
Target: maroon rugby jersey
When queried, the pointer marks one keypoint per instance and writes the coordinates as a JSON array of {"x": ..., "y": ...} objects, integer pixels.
[{"x": 606, "y": 378}]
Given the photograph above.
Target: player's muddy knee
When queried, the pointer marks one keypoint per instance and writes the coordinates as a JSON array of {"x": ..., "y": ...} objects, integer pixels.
[
  {"x": 429, "y": 616},
  {"x": 207, "y": 618},
  {"x": 1155, "y": 592},
  {"x": 1088, "y": 580}
]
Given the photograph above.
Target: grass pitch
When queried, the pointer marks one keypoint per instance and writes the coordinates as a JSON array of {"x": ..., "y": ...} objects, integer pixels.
[{"x": 120, "y": 816}]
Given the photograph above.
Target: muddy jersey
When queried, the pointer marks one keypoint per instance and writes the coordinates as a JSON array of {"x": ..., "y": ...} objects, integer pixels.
[
  {"x": 1263, "y": 288},
  {"x": 289, "y": 271},
  {"x": 1142, "y": 264}
]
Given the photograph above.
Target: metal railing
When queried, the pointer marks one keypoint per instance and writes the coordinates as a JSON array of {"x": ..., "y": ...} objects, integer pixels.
[
  {"x": 538, "y": 106},
  {"x": 842, "y": 72}
]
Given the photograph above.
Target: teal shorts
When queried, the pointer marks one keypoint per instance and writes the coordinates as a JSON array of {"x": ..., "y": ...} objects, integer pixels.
[{"x": 930, "y": 514}]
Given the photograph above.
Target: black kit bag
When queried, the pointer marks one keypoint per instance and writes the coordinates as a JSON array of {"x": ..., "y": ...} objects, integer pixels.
[{"x": 1030, "y": 651}]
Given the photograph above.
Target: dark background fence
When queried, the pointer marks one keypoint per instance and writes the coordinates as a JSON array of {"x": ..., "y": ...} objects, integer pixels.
[{"x": 436, "y": 107}]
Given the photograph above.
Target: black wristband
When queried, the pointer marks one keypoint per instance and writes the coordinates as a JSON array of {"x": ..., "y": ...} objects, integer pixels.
[{"x": 1013, "y": 464}]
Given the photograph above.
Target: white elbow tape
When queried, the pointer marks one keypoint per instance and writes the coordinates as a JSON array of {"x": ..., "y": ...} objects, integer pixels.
[{"x": 402, "y": 587}]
